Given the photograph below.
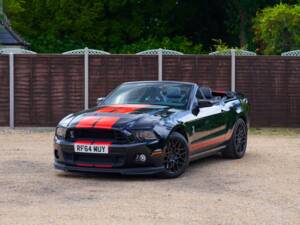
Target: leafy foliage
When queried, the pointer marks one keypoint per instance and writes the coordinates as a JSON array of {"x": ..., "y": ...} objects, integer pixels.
[
  {"x": 177, "y": 43},
  {"x": 239, "y": 21},
  {"x": 220, "y": 45},
  {"x": 117, "y": 26},
  {"x": 278, "y": 28},
  {"x": 129, "y": 26}
]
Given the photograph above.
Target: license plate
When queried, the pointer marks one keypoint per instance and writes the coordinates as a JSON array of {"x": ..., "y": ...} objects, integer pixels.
[{"x": 94, "y": 149}]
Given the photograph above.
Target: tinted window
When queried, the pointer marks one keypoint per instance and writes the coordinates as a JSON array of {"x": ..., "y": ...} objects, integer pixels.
[{"x": 167, "y": 94}]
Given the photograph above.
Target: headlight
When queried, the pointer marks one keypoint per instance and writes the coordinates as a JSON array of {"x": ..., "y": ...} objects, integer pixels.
[
  {"x": 145, "y": 135},
  {"x": 61, "y": 132}
]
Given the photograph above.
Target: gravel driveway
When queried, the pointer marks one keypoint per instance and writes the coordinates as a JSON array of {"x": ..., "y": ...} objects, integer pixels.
[{"x": 262, "y": 188}]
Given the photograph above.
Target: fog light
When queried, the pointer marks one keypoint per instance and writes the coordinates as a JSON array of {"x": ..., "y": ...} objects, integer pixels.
[
  {"x": 56, "y": 154},
  {"x": 141, "y": 158}
]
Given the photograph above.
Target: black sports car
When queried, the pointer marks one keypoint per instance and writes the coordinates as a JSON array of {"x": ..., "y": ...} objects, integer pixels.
[{"x": 152, "y": 127}]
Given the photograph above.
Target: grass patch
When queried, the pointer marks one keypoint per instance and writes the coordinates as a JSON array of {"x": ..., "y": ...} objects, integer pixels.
[{"x": 275, "y": 131}]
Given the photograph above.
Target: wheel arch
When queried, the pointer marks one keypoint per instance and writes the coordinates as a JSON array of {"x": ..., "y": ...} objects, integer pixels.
[
  {"x": 180, "y": 129},
  {"x": 243, "y": 117}
]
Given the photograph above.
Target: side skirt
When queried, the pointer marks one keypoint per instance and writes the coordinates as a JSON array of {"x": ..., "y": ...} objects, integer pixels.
[{"x": 206, "y": 153}]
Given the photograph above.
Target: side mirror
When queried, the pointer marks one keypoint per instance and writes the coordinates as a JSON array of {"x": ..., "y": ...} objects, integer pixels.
[
  {"x": 196, "y": 110},
  {"x": 204, "y": 103},
  {"x": 99, "y": 100}
]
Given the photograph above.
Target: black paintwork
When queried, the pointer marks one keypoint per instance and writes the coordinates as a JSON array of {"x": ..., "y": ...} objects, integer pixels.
[{"x": 207, "y": 130}]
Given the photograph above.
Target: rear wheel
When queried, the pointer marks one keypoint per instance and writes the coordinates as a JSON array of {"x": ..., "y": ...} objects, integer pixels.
[
  {"x": 176, "y": 156},
  {"x": 238, "y": 143}
]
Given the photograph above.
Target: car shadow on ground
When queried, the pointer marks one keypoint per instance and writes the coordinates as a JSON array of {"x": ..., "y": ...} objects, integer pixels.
[{"x": 193, "y": 168}]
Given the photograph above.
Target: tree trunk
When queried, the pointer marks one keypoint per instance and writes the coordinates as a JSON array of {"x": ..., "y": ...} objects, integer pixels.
[{"x": 242, "y": 35}]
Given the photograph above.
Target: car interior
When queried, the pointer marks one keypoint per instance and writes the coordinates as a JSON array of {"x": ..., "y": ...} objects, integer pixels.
[{"x": 206, "y": 94}]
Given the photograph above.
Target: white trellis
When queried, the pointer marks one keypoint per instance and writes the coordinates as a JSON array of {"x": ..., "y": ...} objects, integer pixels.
[
  {"x": 160, "y": 52},
  {"x": 83, "y": 51},
  {"x": 6, "y": 51},
  {"x": 291, "y": 53},
  {"x": 238, "y": 52}
]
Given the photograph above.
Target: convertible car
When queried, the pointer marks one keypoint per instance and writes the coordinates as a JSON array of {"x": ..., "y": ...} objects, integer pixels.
[{"x": 152, "y": 127}]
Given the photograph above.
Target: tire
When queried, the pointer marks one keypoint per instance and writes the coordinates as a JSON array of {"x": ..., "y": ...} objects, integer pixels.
[
  {"x": 176, "y": 156},
  {"x": 237, "y": 145}
]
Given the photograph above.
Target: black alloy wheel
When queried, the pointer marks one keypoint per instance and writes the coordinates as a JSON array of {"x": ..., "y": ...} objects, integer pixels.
[
  {"x": 240, "y": 139},
  {"x": 237, "y": 145},
  {"x": 176, "y": 156}
]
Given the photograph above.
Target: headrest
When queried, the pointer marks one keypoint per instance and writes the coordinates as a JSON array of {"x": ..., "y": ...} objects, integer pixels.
[
  {"x": 207, "y": 92},
  {"x": 173, "y": 92}
]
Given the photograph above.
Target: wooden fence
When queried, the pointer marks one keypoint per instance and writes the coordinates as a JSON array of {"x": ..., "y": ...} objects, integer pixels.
[{"x": 48, "y": 87}]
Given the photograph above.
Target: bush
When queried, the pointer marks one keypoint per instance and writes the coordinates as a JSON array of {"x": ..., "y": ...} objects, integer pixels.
[
  {"x": 277, "y": 28},
  {"x": 49, "y": 44},
  {"x": 221, "y": 48},
  {"x": 177, "y": 43}
]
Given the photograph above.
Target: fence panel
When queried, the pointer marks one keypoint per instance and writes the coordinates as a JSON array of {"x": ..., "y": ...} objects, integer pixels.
[
  {"x": 4, "y": 91},
  {"x": 211, "y": 71},
  {"x": 272, "y": 85},
  {"x": 107, "y": 72},
  {"x": 292, "y": 90},
  {"x": 47, "y": 88}
]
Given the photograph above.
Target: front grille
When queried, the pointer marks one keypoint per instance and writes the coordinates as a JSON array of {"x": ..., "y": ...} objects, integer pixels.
[
  {"x": 115, "y": 160},
  {"x": 105, "y": 135}
]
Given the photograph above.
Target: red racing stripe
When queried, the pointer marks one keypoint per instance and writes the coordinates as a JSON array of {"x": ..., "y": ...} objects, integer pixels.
[
  {"x": 84, "y": 164},
  {"x": 106, "y": 109},
  {"x": 101, "y": 143},
  {"x": 86, "y": 142},
  {"x": 97, "y": 122},
  {"x": 103, "y": 165},
  {"x": 106, "y": 122},
  {"x": 81, "y": 142},
  {"x": 122, "y": 109},
  {"x": 87, "y": 122},
  {"x": 204, "y": 144}
]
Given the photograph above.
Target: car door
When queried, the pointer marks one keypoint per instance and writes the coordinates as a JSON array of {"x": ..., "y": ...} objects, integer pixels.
[{"x": 208, "y": 126}]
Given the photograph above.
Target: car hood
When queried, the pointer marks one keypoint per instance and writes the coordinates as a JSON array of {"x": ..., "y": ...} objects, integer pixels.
[{"x": 120, "y": 116}]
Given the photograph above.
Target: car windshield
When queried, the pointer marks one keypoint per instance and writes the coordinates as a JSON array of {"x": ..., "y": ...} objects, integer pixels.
[{"x": 167, "y": 94}]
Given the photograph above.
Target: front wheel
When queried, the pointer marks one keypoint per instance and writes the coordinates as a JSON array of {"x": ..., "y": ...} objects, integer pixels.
[
  {"x": 176, "y": 156},
  {"x": 237, "y": 145}
]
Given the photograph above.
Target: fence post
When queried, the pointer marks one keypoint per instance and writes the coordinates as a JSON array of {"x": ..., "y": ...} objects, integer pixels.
[
  {"x": 11, "y": 92},
  {"x": 86, "y": 78},
  {"x": 160, "y": 65},
  {"x": 233, "y": 77}
]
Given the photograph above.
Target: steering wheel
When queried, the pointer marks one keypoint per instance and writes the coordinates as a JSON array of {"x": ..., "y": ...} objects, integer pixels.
[
  {"x": 182, "y": 99},
  {"x": 155, "y": 96}
]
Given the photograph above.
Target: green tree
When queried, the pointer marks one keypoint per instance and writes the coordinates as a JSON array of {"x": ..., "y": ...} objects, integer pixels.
[
  {"x": 125, "y": 25},
  {"x": 239, "y": 16},
  {"x": 55, "y": 26},
  {"x": 277, "y": 28},
  {"x": 177, "y": 43}
]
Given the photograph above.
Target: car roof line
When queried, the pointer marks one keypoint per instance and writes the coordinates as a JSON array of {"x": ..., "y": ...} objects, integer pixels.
[{"x": 155, "y": 81}]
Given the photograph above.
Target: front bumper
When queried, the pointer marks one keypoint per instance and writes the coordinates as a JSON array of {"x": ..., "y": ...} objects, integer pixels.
[
  {"x": 124, "y": 171},
  {"x": 120, "y": 159}
]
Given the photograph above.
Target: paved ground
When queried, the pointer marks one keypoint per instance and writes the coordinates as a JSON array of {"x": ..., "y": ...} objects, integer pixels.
[{"x": 262, "y": 188}]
